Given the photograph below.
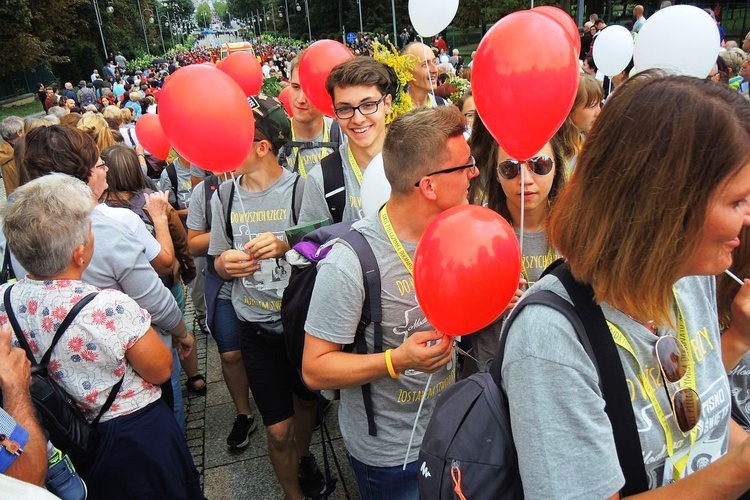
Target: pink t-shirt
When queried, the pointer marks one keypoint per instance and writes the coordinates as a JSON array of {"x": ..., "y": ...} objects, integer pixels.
[{"x": 89, "y": 359}]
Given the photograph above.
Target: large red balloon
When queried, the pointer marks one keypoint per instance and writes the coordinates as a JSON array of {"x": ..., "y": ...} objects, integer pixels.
[
  {"x": 285, "y": 99},
  {"x": 151, "y": 136},
  {"x": 524, "y": 85},
  {"x": 215, "y": 135},
  {"x": 466, "y": 269},
  {"x": 245, "y": 69},
  {"x": 315, "y": 65},
  {"x": 567, "y": 22}
]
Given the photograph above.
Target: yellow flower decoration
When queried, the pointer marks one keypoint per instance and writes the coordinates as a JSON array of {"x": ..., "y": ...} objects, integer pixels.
[
  {"x": 402, "y": 65},
  {"x": 462, "y": 86}
]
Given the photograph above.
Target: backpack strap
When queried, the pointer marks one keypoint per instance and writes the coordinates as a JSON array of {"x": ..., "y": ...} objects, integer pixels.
[
  {"x": 172, "y": 174},
  {"x": 335, "y": 135},
  {"x": 7, "y": 274},
  {"x": 130, "y": 135},
  {"x": 611, "y": 380},
  {"x": 228, "y": 218},
  {"x": 372, "y": 311},
  {"x": 333, "y": 184},
  {"x": 296, "y": 200},
  {"x": 210, "y": 186}
]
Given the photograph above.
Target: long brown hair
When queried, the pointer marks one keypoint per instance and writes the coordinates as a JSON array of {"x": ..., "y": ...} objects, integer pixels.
[
  {"x": 631, "y": 216},
  {"x": 589, "y": 93},
  {"x": 124, "y": 177}
]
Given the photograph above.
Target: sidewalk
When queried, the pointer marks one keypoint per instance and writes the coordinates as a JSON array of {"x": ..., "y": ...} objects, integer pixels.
[{"x": 244, "y": 474}]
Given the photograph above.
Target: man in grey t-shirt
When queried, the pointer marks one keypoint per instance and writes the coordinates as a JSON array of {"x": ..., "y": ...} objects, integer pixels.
[{"x": 424, "y": 183}]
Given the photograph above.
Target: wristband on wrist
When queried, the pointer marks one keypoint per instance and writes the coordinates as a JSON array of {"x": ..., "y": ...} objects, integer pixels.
[
  {"x": 141, "y": 154},
  {"x": 389, "y": 364}
]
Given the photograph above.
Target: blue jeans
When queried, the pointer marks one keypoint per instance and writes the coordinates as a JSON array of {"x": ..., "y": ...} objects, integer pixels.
[
  {"x": 386, "y": 483},
  {"x": 179, "y": 407}
]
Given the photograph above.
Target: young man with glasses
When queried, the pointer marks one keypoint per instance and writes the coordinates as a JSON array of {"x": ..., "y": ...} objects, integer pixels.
[
  {"x": 361, "y": 94},
  {"x": 429, "y": 166}
]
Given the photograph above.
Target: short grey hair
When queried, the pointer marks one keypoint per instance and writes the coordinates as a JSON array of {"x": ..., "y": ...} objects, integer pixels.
[
  {"x": 10, "y": 127},
  {"x": 54, "y": 204},
  {"x": 52, "y": 119},
  {"x": 58, "y": 111}
]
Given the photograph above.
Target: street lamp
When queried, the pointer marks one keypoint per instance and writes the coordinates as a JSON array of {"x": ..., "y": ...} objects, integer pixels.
[
  {"x": 286, "y": 9},
  {"x": 359, "y": 4},
  {"x": 307, "y": 13},
  {"x": 143, "y": 25},
  {"x": 110, "y": 7},
  {"x": 98, "y": 15},
  {"x": 161, "y": 33}
]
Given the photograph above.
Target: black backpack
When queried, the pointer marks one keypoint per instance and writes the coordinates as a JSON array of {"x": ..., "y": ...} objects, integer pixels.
[
  {"x": 333, "y": 143},
  {"x": 58, "y": 413},
  {"x": 296, "y": 300},
  {"x": 475, "y": 411}
]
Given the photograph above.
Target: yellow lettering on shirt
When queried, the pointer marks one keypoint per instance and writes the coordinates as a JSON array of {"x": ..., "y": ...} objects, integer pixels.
[
  {"x": 279, "y": 214},
  {"x": 355, "y": 201},
  {"x": 405, "y": 286},
  {"x": 268, "y": 305},
  {"x": 416, "y": 396}
]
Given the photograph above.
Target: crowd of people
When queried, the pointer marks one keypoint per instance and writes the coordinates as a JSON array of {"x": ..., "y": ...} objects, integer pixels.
[{"x": 644, "y": 191}]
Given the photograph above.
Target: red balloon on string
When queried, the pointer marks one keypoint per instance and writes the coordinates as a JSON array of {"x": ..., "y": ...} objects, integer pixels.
[
  {"x": 215, "y": 137},
  {"x": 567, "y": 22},
  {"x": 524, "y": 95},
  {"x": 151, "y": 136},
  {"x": 466, "y": 269},
  {"x": 315, "y": 65},
  {"x": 244, "y": 68},
  {"x": 285, "y": 99}
]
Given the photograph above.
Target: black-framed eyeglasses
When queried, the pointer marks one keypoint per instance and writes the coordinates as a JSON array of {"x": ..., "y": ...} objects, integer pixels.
[
  {"x": 472, "y": 166},
  {"x": 540, "y": 165},
  {"x": 673, "y": 363},
  {"x": 366, "y": 108},
  {"x": 102, "y": 166}
]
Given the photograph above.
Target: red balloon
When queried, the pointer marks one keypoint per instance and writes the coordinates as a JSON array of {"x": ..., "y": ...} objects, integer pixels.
[
  {"x": 285, "y": 99},
  {"x": 466, "y": 269},
  {"x": 315, "y": 65},
  {"x": 245, "y": 69},
  {"x": 216, "y": 136},
  {"x": 524, "y": 86},
  {"x": 567, "y": 22},
  {"x": 151, "y": 136}
]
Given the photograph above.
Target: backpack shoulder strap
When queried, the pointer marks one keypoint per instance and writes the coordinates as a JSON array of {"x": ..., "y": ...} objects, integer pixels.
[
  {"x": 296, "y": 198},
  {"x": 210, "y": 186},
  {"x": 172, "y": 174},
  {"x": 7, "y": 274},
  {"x": 611, "y": 380},
  {"x": 372, "y": 311},
  {"x": 335, "y": 134},
  {"x": 332, "y": 167},
  {"x": 228, "y": 217}
]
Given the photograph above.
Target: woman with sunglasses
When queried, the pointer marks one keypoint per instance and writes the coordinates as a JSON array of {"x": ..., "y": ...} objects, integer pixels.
[
  {"x": 543, "y": 180},
  {"x": 650, "y": 216}
]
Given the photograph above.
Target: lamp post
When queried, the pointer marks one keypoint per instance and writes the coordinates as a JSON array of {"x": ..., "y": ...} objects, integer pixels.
[
  {"x": 158, "y": 20},
  {"x": 98, "y": 15},
  {"x": 307, "y": 13},
  {"x": 288, "y": 26},
  {"x": 143, "y": 25},
  {"x": 359, "y": 5},
  {"x": 273, "y": 19}
]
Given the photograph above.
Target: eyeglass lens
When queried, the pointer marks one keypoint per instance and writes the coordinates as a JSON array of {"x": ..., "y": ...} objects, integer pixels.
[
  {"x": 540, "y": 165},
  {"x": 673, "y": 363}
]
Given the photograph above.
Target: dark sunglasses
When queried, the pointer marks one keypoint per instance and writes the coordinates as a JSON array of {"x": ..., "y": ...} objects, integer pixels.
[
  {"x": 540, "y": 165},
  {"x": 673, "y": 362},
  {"x": 472, "y": 166}
]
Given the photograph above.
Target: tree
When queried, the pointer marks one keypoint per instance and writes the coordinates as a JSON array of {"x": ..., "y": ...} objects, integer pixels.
[
  {"x": 203, "y": 16},
  {"x": 222, "y": 12}
]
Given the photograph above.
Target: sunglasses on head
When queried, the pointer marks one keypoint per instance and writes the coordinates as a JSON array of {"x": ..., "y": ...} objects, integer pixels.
[
  {"x": 540, "y": 165},
  {"x": 673, "y": 363}
]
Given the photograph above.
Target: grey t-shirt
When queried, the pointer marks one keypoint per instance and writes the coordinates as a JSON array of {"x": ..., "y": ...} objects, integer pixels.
[
  {"x": 197, "y": 220},
  {"x": 739, "y": 377},
  {"x": 257, "y": 297},
  {"x": 561, "y": 432},
  {"x": 536, "y": 255},
  {"x": 333, "y": 315},
  {"x": 314, "y": 206},
  {"x": 184, "y": 184}
]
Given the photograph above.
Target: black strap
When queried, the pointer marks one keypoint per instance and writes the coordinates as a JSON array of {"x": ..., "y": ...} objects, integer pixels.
[
  {"x": 612, "y": 382},
  {"x": 228, "y": 218},
  {"x": 7, "y": 274},
  {"x": 58, "y": 334},
  {"x": 294, "y": 199},
  {"x": 172, "y": 174},
  {"x": 333, "y": 184},
  {"x": 210, "y": 185},
  {"x": 372, "y": 311}
]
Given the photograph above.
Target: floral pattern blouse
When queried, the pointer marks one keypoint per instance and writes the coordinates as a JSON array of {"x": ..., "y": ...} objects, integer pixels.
[{"x": 89, "y": 359}]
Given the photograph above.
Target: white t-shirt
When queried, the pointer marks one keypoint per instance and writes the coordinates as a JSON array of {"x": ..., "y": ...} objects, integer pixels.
[{"x": 135, "y": 224}]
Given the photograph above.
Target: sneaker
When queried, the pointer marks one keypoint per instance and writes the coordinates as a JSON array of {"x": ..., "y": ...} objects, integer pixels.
[
  {"x": 63, "y": 480},
  {"x": 243, "y": 426},
  {"x": 311, "y": 480}
]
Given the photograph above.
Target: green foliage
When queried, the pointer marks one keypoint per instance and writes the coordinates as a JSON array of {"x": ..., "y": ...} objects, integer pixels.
[
  {"x": 203, "y": 16},
  {"x": 23, "y": 110},
  {"x": 271, "y": 86},
  {"x": 222, "y": 12}
]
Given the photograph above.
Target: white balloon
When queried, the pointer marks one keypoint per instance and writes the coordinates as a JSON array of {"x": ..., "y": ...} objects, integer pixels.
[
  {"x": 613, "y": 50},
  {"x": 681, "y": 40},
  {"x": 375, "y": 187},
  {"x": 430, "y": 17}
]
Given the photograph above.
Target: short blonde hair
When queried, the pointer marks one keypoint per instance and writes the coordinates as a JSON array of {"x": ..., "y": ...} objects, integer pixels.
[{"x": 97, "y": 127}]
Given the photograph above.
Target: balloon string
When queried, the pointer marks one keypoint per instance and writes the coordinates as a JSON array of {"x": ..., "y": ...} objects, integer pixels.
[
  {"x": 419, "y": 411},
  {"x": 523, "y": 203},
  {"x": 427, "y": 65},
  {"x": 242, "y": 206}
]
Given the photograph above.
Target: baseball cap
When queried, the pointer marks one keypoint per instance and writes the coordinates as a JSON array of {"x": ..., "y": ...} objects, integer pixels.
[{"x": 270, "y": 119}]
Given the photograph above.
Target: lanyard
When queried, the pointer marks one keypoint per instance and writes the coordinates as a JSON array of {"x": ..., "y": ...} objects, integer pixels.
[
  {"x": 395, "y": 242},
  {"x": 296, "y": 151},
  {"x": 355, "y": 165},
  {"x": 689, "y": 380}
]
